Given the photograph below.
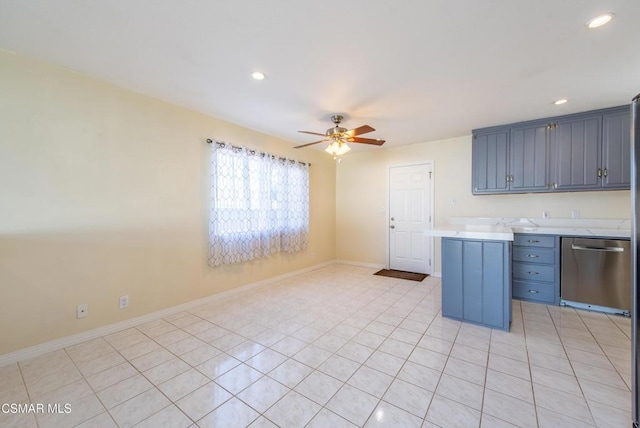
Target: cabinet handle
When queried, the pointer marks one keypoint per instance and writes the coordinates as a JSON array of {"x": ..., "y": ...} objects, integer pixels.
[
  {"x": 534, "y": 291},
  {"x": 533, "y": 273},
  {"x": 599, "y": 173},
  {"x": 605, "y": 173},
  {"x": 532, "y": 256},
  {"x": 533, "y": 241}
]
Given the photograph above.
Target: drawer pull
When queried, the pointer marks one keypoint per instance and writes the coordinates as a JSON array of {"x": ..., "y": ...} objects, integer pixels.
[
  {"x": 533, "y": 291},
  {"x": 532, "y": 256},
  {"x": 533, "y": 241},
  {"x": 533, "y": 273}
]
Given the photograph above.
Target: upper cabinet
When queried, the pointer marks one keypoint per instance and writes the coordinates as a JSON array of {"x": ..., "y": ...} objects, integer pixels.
[
  {"x": 616, "y": 146},
  {"x": 575, "y": 156},
  {"x": 506, "y": 159},
  {"x": 490, "y": 162},
  {"x": 585, "y": 151},
  {"x": 529, "y": 166}
]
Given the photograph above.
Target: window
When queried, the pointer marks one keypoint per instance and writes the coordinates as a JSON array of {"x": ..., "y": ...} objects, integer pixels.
[{"x": 259, "y": 205}]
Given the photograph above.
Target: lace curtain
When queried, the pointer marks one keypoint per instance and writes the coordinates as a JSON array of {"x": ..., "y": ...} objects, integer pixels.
[{"x": 259, "y": 205}]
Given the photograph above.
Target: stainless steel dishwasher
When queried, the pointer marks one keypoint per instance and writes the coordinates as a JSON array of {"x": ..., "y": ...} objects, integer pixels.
[{"x": 596, "y": 274}]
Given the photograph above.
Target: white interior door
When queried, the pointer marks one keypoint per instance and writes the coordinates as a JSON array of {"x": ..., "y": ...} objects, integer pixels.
[{"x": 409, "y": 217}]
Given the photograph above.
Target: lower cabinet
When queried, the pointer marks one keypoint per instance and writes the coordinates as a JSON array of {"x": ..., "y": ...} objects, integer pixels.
[
  {"x": 476, "y": 281},
  {"x": 536, "y": 268}
]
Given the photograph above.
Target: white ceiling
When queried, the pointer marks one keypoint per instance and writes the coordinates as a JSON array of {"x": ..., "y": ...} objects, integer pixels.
[{"x": 417, "y": 70}]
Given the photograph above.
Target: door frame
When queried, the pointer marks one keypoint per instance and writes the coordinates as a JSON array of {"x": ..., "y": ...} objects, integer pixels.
[{"x": 388, "y": 208}]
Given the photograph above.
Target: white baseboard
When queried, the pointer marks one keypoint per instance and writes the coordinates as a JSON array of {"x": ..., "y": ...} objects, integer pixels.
[
  {"x": 64, "y": 342},
  {"x": 437, "y": 274},
  {"x": 362, "y": 264}
]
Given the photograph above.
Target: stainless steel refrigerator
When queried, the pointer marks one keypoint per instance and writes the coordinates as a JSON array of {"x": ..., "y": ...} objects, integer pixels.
[{"x": 635, "y": 241}]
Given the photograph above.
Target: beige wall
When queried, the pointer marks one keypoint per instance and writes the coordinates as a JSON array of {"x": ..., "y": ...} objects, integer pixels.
[
  {"x": 104, "y": 192},
  {"x": 361, "y": 194}
]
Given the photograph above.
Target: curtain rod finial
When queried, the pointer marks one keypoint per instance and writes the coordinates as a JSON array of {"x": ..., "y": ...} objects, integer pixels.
[{"x": 209, "y": 141}]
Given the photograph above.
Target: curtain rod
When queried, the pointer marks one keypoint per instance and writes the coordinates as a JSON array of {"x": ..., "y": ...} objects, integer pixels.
[{"x": 253, "y": 152}]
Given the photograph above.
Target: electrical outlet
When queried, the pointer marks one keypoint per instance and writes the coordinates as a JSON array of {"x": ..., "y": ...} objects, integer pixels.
[
  {"x": 82, "y": 310},
  {"x": 575, "y": 214},
  {"x": 124, "y": 302},
  {"x": 546, "y": 214},
  {"x": 454, "y": 201}
]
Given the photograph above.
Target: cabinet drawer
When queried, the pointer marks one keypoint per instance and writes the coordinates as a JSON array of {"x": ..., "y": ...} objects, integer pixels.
[
  {"x": 535, "y": 291},
  {"x": 534, "y": 240},
  {"x": 533, "y": 272},
  {"x": 534, "y": 255}
]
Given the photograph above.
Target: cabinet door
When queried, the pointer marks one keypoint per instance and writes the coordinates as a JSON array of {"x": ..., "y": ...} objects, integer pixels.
[
  {"x": 452, "y": 268},
  {"x": 616, "y": 150},
  {"x": 472, "y": 286},
  {"x": 496, "y": 280},
  {"x": 489, "y": 162},
  {"x": 575, "y": 154},
  {"x": 529, "y": 158}
]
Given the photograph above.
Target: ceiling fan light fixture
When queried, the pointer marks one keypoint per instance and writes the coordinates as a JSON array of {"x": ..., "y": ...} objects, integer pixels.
[
  {"x": 337, "y": 148},
  {"x": 599, "y": 20}
]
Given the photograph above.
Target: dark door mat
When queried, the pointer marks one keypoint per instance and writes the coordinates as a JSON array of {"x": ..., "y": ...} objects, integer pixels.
[{"x": 412, "y": 276}]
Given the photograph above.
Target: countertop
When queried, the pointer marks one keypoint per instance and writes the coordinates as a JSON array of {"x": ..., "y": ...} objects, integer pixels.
[
  {"x": 470, "y": 231},
  {"x": 503, "y": 228}
]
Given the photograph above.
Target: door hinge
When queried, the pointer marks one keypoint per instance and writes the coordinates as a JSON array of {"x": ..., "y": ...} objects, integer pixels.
[
  {"x": 429, "y": 262},
  {"x": 429, "y": 175},
  {"x": 429, "y": 219}
]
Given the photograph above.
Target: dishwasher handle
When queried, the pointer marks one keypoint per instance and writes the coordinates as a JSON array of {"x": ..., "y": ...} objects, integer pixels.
[{"x": 602, "y": 249}]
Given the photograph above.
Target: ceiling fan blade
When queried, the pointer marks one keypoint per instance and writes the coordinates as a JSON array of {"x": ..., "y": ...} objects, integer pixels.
[
  {"x": 360, "y": 130},
  {"x": 377, "y": 141},
  {"x": 309, "y": 144},
  {"x": 313, "y": 133}
]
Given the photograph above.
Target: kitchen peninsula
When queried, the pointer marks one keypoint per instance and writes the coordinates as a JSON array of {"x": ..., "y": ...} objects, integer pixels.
[
  {"x": 484, "y": 266},
  {"x": 476, "y": 273}
]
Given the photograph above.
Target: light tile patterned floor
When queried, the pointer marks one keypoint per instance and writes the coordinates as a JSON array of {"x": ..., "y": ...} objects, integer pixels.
[{"x": 337, "y": 347}]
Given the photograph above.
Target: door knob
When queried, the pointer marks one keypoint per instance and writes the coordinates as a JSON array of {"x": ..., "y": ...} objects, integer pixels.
[
  {"x": 392, "y": 227},
  {"x": 392, "y": 218}
]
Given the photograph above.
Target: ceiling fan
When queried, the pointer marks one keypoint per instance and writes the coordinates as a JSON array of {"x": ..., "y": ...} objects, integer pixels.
[{"x": 339, "y": 137}]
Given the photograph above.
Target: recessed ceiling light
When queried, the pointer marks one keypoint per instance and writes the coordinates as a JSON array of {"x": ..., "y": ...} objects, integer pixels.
[
  {"x": 258, "y": 75},
  {"x": 600, "y": 20},
  {"x": 560, "y": 101}
]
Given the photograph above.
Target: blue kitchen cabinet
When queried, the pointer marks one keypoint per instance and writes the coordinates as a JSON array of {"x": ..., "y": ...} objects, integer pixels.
[
  {"x": 490, "y": 161},
  {"x": 529, "y": 160},
  {"x": 616, "y": 146},
  {"x": 536, "y": 268},
  {"x": 476, "y": 281},
  {"x": 576, "y": 153}
]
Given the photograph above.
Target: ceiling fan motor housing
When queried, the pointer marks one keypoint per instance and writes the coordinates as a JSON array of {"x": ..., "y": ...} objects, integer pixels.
[{"x": 337, "y": 130}]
